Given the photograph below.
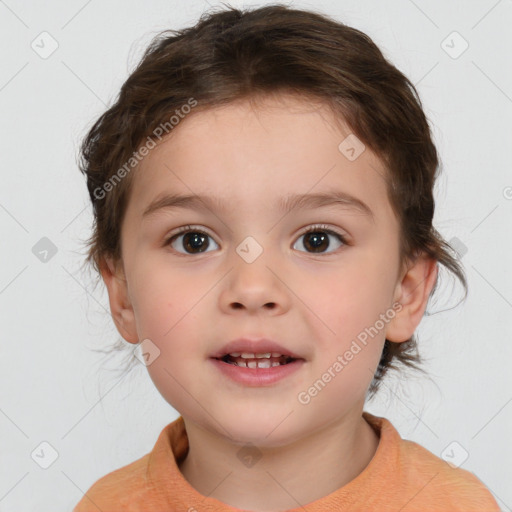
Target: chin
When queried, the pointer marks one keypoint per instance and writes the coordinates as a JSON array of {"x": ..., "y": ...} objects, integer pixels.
[{"x": 257, "y": 428}]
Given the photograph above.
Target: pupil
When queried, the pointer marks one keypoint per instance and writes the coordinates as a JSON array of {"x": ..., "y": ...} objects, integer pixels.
[
  {"x": 318, "y": 238},
  {"x": 193, "y": 241}
]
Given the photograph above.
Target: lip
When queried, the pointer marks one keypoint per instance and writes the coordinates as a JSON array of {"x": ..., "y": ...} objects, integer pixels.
[
  {"x": 257, "y": 377},
  {"x": 254, "y": 346}
]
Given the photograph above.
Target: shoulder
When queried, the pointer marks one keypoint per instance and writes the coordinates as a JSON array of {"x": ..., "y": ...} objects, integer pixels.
[
  {"x": 441, "y": 484},
  {"x": 142, "y": 484},
  {"x": 414, "y": 479},
  {"x": 118, "y": 490}
]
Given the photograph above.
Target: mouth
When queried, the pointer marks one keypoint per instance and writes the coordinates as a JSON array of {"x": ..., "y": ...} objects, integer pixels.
[
  {"x": 262, "y": 360},
  {"x": 257, "y": 369},
  {"x": 256, "y": 361}
]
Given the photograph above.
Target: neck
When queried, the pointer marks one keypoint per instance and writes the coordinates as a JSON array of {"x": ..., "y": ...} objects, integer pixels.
[{"x": 282, "y": 477}]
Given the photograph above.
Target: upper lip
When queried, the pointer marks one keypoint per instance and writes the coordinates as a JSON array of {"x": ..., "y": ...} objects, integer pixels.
[{"x": 253, "y": 346}]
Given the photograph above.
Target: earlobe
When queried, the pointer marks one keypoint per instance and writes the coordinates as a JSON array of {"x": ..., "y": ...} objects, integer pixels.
[
  {"x": 412, "y": 292},
  {"x": 120, "y": 305}
]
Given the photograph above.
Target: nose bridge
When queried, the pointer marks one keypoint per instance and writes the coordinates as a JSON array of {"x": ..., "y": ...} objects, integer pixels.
[
  {"x": 253, "y": 235},
  {"x": 254, "y": 281}
]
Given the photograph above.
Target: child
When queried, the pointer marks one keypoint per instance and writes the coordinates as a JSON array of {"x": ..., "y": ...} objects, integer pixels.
[{"x": 263, "y": 201}]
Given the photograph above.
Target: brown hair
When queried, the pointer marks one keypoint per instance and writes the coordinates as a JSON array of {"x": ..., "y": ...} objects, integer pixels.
[{"x": 242, "y": 54}]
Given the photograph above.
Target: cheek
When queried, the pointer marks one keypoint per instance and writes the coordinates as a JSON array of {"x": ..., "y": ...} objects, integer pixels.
[
  {"x": 163, "y": 299},
  {"x": 350, "y": 305},
  {"x": 350, "y": 300},
  {"x": 164, "y": 306}
]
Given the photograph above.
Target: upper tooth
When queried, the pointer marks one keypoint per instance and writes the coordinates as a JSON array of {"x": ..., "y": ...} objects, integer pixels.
[{"x": 248, "y": 355}]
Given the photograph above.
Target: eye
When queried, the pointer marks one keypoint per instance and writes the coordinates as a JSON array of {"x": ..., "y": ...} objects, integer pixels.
[
  {"x": 317, "y": 238},
  {"x": 194, "y": 240}
]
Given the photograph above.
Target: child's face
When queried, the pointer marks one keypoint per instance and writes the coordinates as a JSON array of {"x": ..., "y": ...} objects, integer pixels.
[{"x": 196, "y": 294}]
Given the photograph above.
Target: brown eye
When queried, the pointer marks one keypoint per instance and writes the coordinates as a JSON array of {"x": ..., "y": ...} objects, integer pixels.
[
  {"x": 316, "y": 239},
  {"x": 193, "y": 241}
]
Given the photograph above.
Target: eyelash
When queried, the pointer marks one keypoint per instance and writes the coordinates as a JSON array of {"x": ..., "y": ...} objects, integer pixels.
[{"x": 311, "y": 229}]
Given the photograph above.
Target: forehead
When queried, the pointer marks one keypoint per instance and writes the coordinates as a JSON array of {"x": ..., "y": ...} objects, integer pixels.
[{"x": 256, "y": 155}]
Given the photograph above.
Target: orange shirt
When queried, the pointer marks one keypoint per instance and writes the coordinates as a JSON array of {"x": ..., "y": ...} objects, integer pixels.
[{"x": 402, "y": 476}]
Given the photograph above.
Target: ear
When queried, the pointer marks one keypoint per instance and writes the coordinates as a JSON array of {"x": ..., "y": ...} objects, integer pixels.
[
  {"x": 412, "y": 292},
  {"x": 120, "y": 305}
]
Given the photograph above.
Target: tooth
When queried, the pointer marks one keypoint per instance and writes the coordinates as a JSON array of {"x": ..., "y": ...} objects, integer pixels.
[
  {"x": 275, "y": 363},
  {"x": 247, "y": 355},
  {"x": 235, "y": 354},
  {"x": 252, "y": 364},
  {"x": 259, "y": 356},
  {"x": 276, "y": 354},
  {"x": 264, "y": 363},
  {"x": 242, "y": 363}
]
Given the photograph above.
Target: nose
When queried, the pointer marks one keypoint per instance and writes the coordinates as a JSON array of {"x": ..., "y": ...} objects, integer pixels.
[{"x": 256, "y": 286}]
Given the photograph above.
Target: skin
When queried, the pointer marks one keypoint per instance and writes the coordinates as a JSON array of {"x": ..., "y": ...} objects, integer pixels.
[{"x": 314, "y": 303}]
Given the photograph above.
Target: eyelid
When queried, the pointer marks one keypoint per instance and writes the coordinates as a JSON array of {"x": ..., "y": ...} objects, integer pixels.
[
  {"x": 307, "y": 229},
  {"x": 185, "y": 229},
  {"x": 323, "y": 227},
  {"x": 343, "y": 237},
  {"x": 190, "y": 227}
]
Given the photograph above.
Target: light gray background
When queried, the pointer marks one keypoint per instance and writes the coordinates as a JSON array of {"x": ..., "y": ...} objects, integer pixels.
[{"x": 55, "y": 389}]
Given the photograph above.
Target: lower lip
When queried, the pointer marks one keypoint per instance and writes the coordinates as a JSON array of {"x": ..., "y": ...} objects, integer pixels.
[{"x": 258, "y": 376}]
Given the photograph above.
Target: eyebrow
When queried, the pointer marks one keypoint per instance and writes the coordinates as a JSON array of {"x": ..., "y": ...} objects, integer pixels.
[{"x": 287, "y": 203}]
